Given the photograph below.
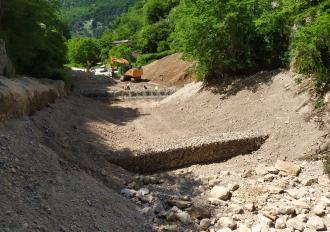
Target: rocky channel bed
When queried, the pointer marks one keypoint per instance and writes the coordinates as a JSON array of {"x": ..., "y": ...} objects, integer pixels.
[{"x": 284, "y": 197}]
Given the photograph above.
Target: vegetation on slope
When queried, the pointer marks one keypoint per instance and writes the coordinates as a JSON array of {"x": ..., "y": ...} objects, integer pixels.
[
  {"x": 35, "y": 36},
  {"x": 92, "y": 17}
]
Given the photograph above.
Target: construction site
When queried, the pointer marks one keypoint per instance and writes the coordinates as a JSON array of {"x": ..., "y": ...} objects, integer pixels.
[{"x": 163, "y": 153}]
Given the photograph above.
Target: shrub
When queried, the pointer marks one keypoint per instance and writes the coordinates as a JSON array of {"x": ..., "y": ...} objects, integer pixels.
[{"x": 147, "y": 58}]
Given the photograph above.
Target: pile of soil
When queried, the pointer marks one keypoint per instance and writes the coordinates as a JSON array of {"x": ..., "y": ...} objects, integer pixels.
[{"x": 169, "y": 71}]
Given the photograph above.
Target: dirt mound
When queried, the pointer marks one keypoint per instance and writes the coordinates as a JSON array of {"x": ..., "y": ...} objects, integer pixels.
[
  {"x": 54, "y": 176},
  {"x": 169, "y": 71}
]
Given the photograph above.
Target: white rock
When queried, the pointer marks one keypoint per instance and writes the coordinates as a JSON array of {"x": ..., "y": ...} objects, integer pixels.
[
  {"x": 143, "y": 191},
  {"x": 220, "y": 192},
  {"x": 295, "y": 223},
  {"x": 297, "y": 193},
  {"x": 319, "y": 209},
  {"x": 227, "y": 222},
  {"x": 288, "y": 167},
  {"x": 324, "y": 180},
  {"x": 264, "y": 220},
  {"x": 224, "y": 230},
  {"x": 324, "y": 201},
  {"x": 301, "y": 204},
  {"x": 280, "y": 223},
  {"x": 261, "y": 170},
  {"x": 316, "y": 223},
  {"x": 244, "y": 228},
  {"x": 260, "y": 228},
  {"x": 236, "y": 209},
  {"x": 249, "y": 207}
]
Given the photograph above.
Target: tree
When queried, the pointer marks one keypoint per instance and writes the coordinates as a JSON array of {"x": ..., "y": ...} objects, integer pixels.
[
  {"x": 83, "y": 51},
  {"x": 35, "y": 35},
  {"x": 121, "y": 51}
]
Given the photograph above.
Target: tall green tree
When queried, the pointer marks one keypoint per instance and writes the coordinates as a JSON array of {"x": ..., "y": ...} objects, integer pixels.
[
  {"x": 35, "y": 35},
  {"x": 83, "y": 51}
]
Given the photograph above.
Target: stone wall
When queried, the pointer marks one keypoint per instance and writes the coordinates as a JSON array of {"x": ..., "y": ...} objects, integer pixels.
[
  {"x": 23, "y": 96},
  {"x": 196, "y": 150}
]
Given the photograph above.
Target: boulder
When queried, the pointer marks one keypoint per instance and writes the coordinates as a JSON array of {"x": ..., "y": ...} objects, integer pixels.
[
  {"x": 220, "y": 192},
  {"x": 226, "y": 222},
  {"x": 288, "y": 167},
  {"x": 315, "y": 223}
]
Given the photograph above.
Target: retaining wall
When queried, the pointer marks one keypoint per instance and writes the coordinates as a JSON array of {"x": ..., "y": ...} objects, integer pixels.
[{"x": 197, "y": 150}]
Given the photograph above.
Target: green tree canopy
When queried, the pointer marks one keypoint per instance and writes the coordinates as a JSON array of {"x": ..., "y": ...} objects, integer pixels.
[
  {"x": 35, "y": 35},
  {"x": 83, "y": 51}
]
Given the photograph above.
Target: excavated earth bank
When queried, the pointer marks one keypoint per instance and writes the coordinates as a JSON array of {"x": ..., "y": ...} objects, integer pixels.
[
  {"x": 196, "y": 150},
  {"x": 23, "y": 96}
]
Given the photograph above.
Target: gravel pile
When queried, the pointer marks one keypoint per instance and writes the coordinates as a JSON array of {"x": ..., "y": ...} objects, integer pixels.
[{"x": 283, "y": 197}]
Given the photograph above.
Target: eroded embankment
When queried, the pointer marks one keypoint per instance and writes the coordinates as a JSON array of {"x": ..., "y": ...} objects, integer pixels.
[
  {"x": 23, "y": 96},
  {"x": 196, "y": 150}
]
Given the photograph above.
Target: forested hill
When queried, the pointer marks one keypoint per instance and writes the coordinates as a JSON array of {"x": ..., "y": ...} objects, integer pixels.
[{"x": 92, "y": 17}]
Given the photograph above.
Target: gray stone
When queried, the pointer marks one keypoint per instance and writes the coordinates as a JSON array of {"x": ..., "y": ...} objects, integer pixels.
[
  {"x": 273, "y": 170},
  {"x": 316, "y": 223},
  {"x": 183, "y": 217},
  {"x": 220, "y": 192},
  {"x": 309, "y": 181},
  {"x": 200, "y": 212},
  {"x": 158, "y": 207},
  {"x": 205, "y": 223},
  {"x": 180, "y": 203},
  {"x": 226, "y": 222},
  {"x": 127, "y": 192},
  {"x": 295, "y": 223},
  {"x": 288, "y": 167}
]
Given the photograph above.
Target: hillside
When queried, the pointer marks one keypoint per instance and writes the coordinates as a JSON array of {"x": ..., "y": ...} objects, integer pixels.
[{"x": 93, "y": 17}]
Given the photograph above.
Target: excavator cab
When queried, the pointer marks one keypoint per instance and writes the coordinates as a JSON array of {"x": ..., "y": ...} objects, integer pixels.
[{"x": 125, "y": 71}]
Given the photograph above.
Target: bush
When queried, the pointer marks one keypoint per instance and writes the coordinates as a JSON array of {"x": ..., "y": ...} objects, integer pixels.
[
  {"x": 311, "y": 50},
  {"x": 60, "y": 74},
  {"x": 147, "y": 58},
  {"x": 220, "y": 35}
]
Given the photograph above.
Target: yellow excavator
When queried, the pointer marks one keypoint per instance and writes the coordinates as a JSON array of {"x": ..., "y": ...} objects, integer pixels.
[{"x": 125, "y": 71}]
